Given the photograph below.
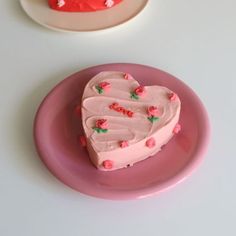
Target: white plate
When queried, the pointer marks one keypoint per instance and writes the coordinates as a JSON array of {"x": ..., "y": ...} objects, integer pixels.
[{"x": 40, "y": 12}]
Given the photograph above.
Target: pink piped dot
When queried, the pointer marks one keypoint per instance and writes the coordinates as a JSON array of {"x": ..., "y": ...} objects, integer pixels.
[
  {"x": 83, "y": 141},
  {"x": 172, "y": 96},
  {"x": 124, "y": 144},
  {"x": 177, "y": 129},
  {"x": 150, "y": 143},
  {"x": 108, "y": 164},
  {"x": 60, "y": 3},
  {"x": 153, "y": 111},
  {"x": 105, "y": 85},
  {"x": 78, "y": 111},
  {"x": 127, "y": 76},
  {"x": 102, "y": 124},
  {"x": 140, "y": 90},
  {"x": 109, "y": 3}
]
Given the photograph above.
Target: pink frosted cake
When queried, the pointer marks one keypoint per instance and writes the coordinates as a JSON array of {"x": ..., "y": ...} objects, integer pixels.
[{"x": 124, "y": 122}]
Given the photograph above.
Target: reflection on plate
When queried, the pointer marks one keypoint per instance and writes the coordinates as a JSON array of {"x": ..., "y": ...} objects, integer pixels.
[
  {"x": 40, "y": 12},
  {"x": 57, "y": 127}
]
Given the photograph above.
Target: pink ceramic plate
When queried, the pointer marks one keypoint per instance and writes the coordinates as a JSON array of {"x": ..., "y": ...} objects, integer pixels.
[{"x": 57, "y": 127}]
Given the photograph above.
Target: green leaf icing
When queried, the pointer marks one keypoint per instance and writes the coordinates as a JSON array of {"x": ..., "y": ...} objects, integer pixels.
[
  {"x": 134, "y": 96},
  {"x": 100, "y": 90},
  {"x": 98, "y": 130},
  {"x": 153, "y": 119}
]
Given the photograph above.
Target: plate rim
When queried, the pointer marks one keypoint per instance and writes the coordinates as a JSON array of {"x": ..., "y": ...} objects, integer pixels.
[{"x": 187, "y": 170}]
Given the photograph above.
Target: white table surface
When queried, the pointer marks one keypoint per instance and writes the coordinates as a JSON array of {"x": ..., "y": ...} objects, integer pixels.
[{"x": 193, "y": 40}]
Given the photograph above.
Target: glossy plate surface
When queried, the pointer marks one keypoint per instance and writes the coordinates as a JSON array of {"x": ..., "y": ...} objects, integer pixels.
[{"x": 57, "y": 127}]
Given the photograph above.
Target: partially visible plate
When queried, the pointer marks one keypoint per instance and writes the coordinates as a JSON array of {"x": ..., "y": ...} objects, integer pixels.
[
  {"x": 40, "y": 12},
  {"x": 57, "y": 127}
]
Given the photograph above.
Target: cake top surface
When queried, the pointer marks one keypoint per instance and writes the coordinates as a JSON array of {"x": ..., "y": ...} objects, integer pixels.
[{"x": 115, "y": 106}]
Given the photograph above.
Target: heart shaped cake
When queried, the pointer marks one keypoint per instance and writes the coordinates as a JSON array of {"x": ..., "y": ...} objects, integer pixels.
[
  {"x": 82, "y": 5},
  {"x": 124, "y": 122}
]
